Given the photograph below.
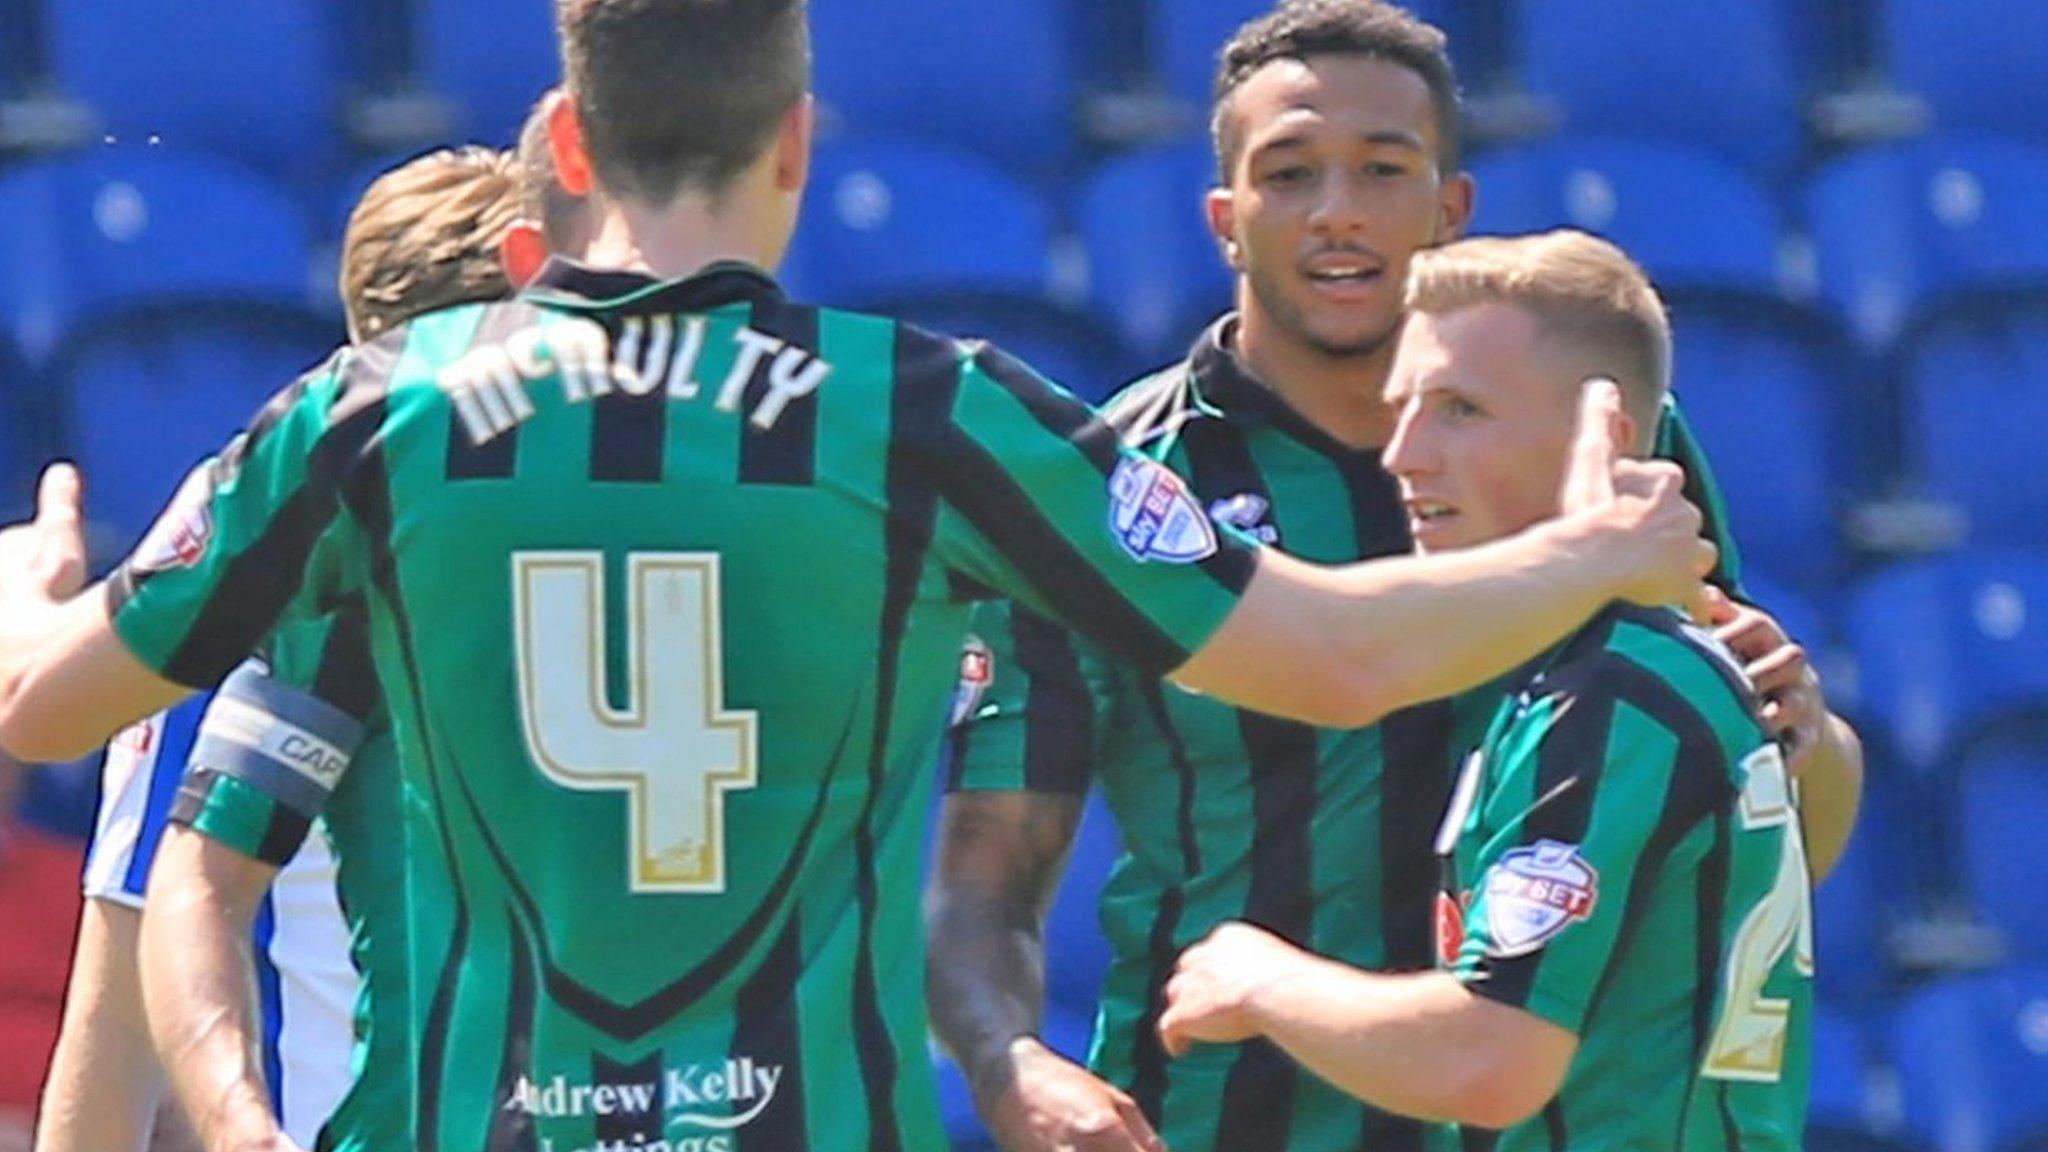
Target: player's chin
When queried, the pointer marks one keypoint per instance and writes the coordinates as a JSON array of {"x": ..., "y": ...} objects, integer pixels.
[{"x": 1348, "y": 333}]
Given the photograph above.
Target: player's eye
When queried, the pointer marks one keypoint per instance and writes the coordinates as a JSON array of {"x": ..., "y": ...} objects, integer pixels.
[{"x": 1290, "y": 174}]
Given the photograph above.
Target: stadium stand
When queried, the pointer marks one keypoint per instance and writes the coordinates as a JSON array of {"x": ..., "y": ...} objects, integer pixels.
[
  {"x": 1979, "y": 63},
  {"x": 1976, "y": 385},
  {"x": 494, "y": 80},
  {"x": 1972, "y": 1055},
  {"x": 996, "y": 76},
  {"x": 1187, "y": 35},
  {"x": 1726, "y": 75},
  {"x": 156, "y": 70},
  {"x": 1153, "y": 266},
  {"x": 2003, "y": 803}
]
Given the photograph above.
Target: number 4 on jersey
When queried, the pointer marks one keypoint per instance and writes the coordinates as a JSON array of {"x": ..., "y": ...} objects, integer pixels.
[{"x": 674, "y": 749}]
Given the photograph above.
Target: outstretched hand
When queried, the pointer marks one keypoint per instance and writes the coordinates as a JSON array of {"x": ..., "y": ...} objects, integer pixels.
[{"x": 44, "y": 559}]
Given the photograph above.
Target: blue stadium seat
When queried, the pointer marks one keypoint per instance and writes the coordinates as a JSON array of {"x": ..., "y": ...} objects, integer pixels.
[
  {"x": 1895, "y": 228},
  {"x": 886, "y": 219},
  {"x": 257, "y": 80},
  {"x": 2003, "y": 807},
  {"x": 106, "y": 230},
  {"x": 1977, "y": 400},
  {"x": 1756, "y": 387},
  {"x": 1840, "y": 1096},
  {"x": 1972, "y": 1055},
  {"x": 21, "y": 433},
  {"x": 1725, "y": 75},
  {"x": 492, "y": 57},
  {"x": 1077, "y": 955},
  {"x": 1979, "y": 64},
  {"x": 1944, "y": 645},
  {"x": 994, "y": 76},
  {"x": 1063, "y": 346},
  {"x": 1152, "y": 264},
  {"x": 1189, "y": 35},
  {"x": 152, "y": 392},
  {"x": 1650, "y": 197}
]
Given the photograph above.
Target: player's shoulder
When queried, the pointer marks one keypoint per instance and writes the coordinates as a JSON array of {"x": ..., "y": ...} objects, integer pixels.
[
  {"x": 1154, "y": 405},
  {"x": 1658, "y": 662}
]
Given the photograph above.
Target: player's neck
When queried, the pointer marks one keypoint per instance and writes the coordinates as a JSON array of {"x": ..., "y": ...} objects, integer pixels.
[
  {"x": 672, "y": 242},
  {"x": 1342, "y": 396}
]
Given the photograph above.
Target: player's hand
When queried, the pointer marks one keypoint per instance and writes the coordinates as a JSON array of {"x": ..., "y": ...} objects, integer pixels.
[
  {"x": 44, "y": 559},
  {"x": 1794, "y": 707},
  {"x": 1635, "y": 511},
  {"x": 1212, "y": 997},
  {"x": 1052, "y": 1104}
]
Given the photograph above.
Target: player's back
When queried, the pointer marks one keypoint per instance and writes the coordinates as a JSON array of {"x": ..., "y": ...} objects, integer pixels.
[{"x": 666, "y": 591}]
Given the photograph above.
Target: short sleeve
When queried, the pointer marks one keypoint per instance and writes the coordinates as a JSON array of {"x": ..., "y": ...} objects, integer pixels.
[
  {"x": 1551, "y": 890},
  {"x": 253, "y": 536},
  {"x": 1025, "y": 713},
  {"x": 1040, "y": 501}
]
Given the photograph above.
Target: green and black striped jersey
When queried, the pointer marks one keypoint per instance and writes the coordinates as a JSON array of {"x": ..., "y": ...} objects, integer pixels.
[
  {"x": 1323, "y": 836},
  {"x": 666, "y": 583},
  {"x": 266, "y": 816},
  {"x": 1625, "y": 861}
]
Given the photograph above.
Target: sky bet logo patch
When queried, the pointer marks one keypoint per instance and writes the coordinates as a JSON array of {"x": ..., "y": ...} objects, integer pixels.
[
  {"x": 1534, "y": 893},
  {"x": 1154, "y": 515}
]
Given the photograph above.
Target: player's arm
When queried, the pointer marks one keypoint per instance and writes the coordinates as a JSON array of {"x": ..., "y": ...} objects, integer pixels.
[
  {"x": 1022, "y": 761},
  {"x": 198, "y": 979},
  {"x": 267, "y": 758},
  {"x": 1421, "y": 1044},
  {"x": 66, "y": 681},
  {"x": 249, "y": 540},
  {"x": 1344, "y": 646},
  {"x": 1826, "y": 755},
  {"x": 103, "y": 1084},
  {"x": 1336, "y": 646}
]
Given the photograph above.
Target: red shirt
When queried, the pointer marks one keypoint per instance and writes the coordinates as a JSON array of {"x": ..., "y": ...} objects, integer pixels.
[{"x": 39, "y": 907}]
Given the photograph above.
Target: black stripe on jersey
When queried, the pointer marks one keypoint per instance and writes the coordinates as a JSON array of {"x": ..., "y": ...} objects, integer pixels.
[
  {"x": 630, "y": 1128},
  {"x": 261, "y": 580},
  {"x": 628, "y": 433},
  {"x": 1710, "y": 902},
  {"x": 369, "y": 497},
  {"x": 1148, "y": 1055},
  {"x": 767, "y": 1029},
  {"x": 1554, "y": 1125},
  {"x": 785, "y": 452},
  {"x": 512, "y": 1128},
  {"x": 1059, "y": 711},
  {"x": 925, "y": 383},
  {"x": 496, "y": 458},
  {"x": 346, "y": 676},
  {"x": 629, "y": 1022}
]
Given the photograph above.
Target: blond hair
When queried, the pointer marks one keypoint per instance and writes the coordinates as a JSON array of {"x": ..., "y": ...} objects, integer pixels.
[
  {"x": 425, "y": 236},
  {"x": 1580, "y": 290}
]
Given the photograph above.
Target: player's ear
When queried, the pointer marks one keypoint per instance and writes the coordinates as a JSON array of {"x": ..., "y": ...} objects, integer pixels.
[
  {"x": 522, "y": 252},
  {"x": 1455, "y": 200},
  {"x": 565, "y": 142},
  {"x": 793, "y": 144},
  {"x": 1220, "y": 208}
]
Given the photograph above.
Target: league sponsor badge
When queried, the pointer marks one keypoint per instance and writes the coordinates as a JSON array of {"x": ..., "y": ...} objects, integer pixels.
[
  {"x": 977, "y": 672},
  {"x": 179, "y": 537},
  {"x": 1154, "y": 515},
  {"x": 1535, "y": 893}
]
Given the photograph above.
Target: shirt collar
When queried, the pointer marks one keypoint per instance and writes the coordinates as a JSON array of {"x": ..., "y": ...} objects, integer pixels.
[
  {"x": 569, "y": 283},
  {"x": 1224, "y": 385}
]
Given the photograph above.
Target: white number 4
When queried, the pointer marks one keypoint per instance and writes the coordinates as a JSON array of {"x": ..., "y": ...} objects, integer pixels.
[
  {"x": 674, "y": 749},
  {"x": 1749, "y": 1038}
]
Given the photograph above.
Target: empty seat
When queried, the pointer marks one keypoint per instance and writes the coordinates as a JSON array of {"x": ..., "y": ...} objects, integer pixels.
[
  {"x": 1979, "y": 64},
  {"x": 1063, "y": 346},
  {"x": 2003, "y": 807},
  {"x": 993, "y": 76},
  {"x": 1153, "y": 266},
  {"x": 889, "y": 219},
  {"x": 100, "y": 231},
  {"x": 1756, "y": 389},
  {"x": 257, "y": 80},
  {"x": 1942, "y": 645},
  {"x": 1972, "y": 1055},
  {"x": 151, "y": 393},
  {"x": 492, "y": 57},
  {"x": 1654, "y": 198},
  {"x": 1189, "y": 36},
  {"x": 1977, "y": 397},
  {"x": 1896, "y": 228},
  {"x": 1725, "y": 75}
]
